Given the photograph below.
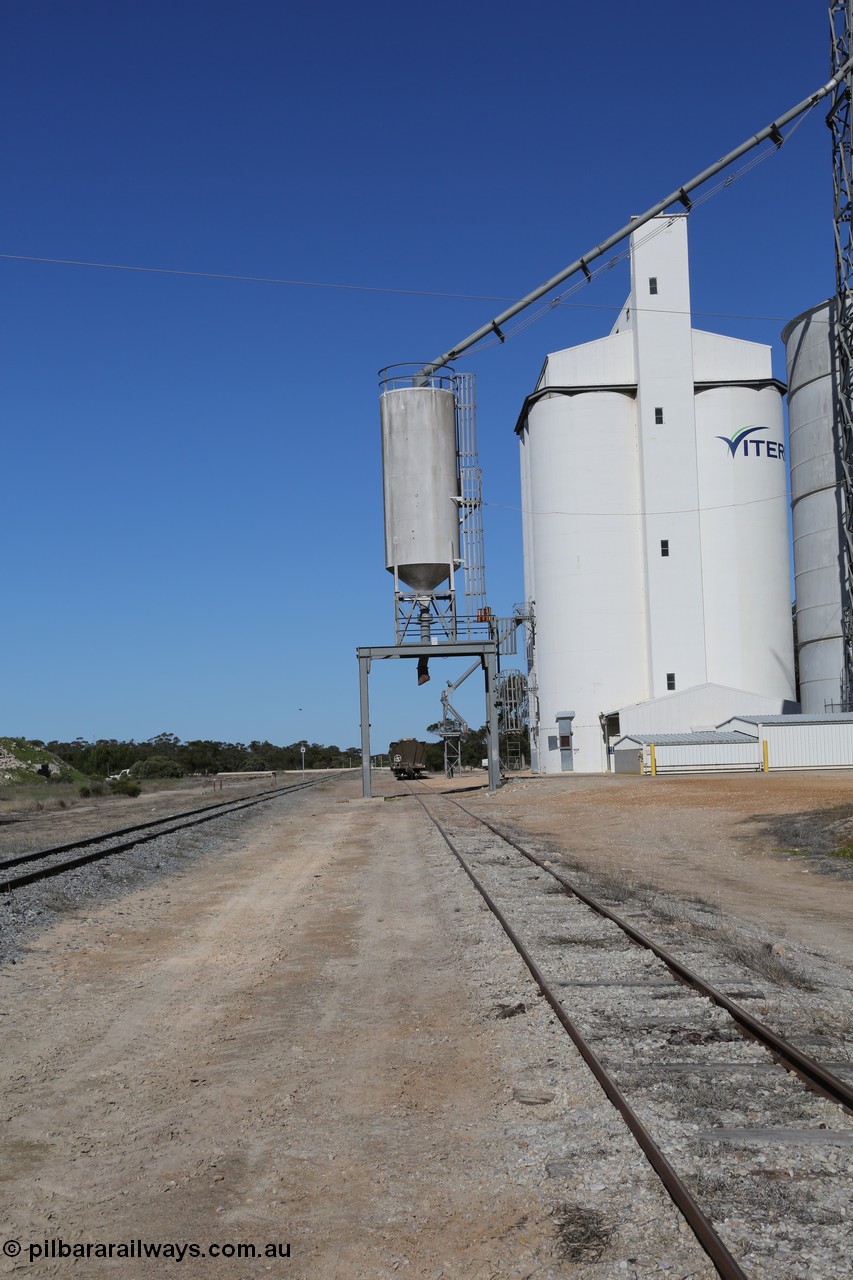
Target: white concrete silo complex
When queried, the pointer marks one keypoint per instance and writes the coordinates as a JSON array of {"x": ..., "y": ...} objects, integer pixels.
[
  {"x": 816, "y": 505},
  {"x": 655, "y": 521}
]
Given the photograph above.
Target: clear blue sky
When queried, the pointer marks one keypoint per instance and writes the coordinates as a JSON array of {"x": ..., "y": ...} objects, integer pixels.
[{"x": 191, "y": 515}]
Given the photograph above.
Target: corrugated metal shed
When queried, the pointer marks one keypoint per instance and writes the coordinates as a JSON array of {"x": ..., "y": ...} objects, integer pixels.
[
  {"x": 687, "y": 739},
  {"x": 831, "y": 717},
  {"x": 704, "y": 704},
  {"x": 801, "y": 741},
  {"x": 686, "y": 752}
]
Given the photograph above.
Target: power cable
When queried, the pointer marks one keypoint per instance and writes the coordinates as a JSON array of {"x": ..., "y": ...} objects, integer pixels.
[
  {"x": 427, "y": 293},
  {"x": 632, "y": 515},
  {"x": 590, "y": 275},
  {"x": 221, "y": 275},
  {"x": 420, "y": 293}
]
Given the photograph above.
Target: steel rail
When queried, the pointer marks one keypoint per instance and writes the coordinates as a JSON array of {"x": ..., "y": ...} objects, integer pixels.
[
  {"x": 35, "y": 854},
  {"x": 437, "y": 791},
  {"x": 208, "y": 814},
  {"x": 722, "y": 1259},
  {"x": 788, "y": 1055},
  {"x": 679, "y": 196}
]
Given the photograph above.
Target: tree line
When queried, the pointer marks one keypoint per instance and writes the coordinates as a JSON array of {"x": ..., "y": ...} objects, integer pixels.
[
  {"x": 109, "y": 756},
  {"x": 167, "y": 756}
]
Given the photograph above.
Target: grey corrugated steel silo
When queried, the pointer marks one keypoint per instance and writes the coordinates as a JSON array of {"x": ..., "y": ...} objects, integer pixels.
[
  {"x": 420, "y": 479},
  {"x": 815, "y": 504}
]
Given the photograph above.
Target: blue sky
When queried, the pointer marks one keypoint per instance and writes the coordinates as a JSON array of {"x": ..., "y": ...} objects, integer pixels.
[{"x": 191, "y": 510}]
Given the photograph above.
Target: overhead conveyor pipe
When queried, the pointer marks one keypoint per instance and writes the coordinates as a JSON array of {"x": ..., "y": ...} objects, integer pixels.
[{"x": 680, "y": 195}]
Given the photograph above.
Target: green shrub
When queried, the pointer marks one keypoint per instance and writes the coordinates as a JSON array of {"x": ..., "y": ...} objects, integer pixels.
[
  {"x": 157, "y": 767},
  {"x": 125, "y": 787},
  {"x": 85, "y": 792}
]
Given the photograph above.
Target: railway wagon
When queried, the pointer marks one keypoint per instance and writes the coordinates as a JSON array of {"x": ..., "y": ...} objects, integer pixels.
[{"x": 407, "y": 758}]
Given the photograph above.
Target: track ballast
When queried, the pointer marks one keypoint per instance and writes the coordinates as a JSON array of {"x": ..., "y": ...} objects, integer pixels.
[{"x": 577, "y": 947}]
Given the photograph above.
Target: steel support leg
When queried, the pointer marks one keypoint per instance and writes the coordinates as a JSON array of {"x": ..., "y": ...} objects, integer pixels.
[
  {"x": 364, "y": 707},
  {"x": 492, "y": 722}
]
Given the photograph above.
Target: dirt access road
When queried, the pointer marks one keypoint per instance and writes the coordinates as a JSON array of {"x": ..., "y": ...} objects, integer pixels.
[
  {"x": 734, "y": 840},
  {"x": 294, "y": 1043},
  {"x": 276, "y": 1046}
]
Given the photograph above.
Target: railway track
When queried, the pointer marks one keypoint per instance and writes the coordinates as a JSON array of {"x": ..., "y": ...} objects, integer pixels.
[
  {"x": 60, "y": 858},
  {"x": 669, "y": 1035}
]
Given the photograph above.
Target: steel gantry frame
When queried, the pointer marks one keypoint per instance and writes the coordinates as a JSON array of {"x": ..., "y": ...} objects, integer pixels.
[
  {"x": 839, "y": 121},
  {"x": 485, "y": 652}
]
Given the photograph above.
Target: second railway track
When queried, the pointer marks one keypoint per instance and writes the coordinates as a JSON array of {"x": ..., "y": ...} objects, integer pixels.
[
  {"x": 758, "y": 1159},
  {"x": 58, "y": 859}
]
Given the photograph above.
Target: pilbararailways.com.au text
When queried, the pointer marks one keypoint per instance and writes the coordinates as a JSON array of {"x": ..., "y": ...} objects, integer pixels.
[{"x": 56, "y": 1247}]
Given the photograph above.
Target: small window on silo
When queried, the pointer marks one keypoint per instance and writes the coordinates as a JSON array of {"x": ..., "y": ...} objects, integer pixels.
[
  {"x": 658, "y": 416},
  {"x": 664, "y": 546},
  {"x": 653, "y": 284},
  {"x": 565, "y": 742},
  {"x": 670, "y": 680}
]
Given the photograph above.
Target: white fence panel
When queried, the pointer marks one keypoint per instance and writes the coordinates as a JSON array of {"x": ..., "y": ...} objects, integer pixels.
[
  {"x": 705, "y": 756},
  {"x": 810, "y": 746}
]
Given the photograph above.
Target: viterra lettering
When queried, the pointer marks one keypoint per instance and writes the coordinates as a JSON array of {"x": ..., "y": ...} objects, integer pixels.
[{"x": 771, "y": 448}]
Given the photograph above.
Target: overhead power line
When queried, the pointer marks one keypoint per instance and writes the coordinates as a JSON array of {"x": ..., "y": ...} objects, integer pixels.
[
  {"x": 221, "y": 275},
  {"x": 364, "y": 288}
]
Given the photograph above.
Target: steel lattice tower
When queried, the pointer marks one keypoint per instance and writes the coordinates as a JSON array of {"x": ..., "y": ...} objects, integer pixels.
[{"x": 839, "y": 121}]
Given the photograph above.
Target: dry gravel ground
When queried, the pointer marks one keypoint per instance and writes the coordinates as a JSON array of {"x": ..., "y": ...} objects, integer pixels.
[
  {"x": 295, "y": 1041},
  {"x": 26, "y": 823},
  {"x": 738, "y": 841}
]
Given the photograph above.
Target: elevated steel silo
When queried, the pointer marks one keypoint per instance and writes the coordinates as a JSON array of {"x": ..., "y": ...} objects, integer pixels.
[
  {"x": 815, "y": 504},
  {"x": 420, "y": 478}
]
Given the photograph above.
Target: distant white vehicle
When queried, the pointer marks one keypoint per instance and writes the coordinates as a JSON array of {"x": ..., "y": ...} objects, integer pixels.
[{"x": 115, "y": 777}]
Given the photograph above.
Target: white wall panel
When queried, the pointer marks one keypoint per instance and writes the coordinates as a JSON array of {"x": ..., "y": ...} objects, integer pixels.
[
  {"x": 685, "y": 759},
  {"x": 607, "y": 360},
  {"x": 745, "y": 562},
  {"x": 667, "y": 456},
  {"x": 590, "y": 620},
  {"x": 717, "y": 358},
  {"x": 810, "y": 746},
  {"x": 702, "y": 707}
]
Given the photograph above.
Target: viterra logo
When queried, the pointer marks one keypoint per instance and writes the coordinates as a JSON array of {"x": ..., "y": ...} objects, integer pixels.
[{"x": 772, "y": 449}]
